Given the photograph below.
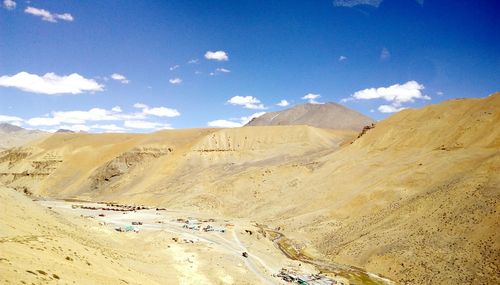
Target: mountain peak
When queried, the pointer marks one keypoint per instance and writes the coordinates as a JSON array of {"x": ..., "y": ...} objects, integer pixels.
[
  {"x": 327, "y": 115},
  {"x": 9, "y": 128}
]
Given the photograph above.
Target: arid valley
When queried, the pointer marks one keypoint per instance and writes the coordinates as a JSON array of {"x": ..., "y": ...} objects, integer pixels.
[
  {"x": 413, "y": 200},
  {"x": 223, "y": 142}
]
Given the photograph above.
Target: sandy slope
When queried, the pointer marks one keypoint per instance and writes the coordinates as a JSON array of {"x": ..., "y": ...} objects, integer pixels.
[
  {"x": 39, "y": 246},
  {"x": 416, "y": 198}
]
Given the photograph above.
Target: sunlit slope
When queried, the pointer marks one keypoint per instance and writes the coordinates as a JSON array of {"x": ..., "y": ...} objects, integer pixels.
[
  {"x": 123, "y": 165},
  {"x": 416, "y": 198},
  {"x": 38, "y": 246}
]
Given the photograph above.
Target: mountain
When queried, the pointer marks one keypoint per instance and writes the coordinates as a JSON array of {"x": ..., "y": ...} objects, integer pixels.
[
  {"x": 64, "y": 131},
  {"x": 328, "y": 115},
  {"x": 415, "y": 199},
  {"x": 13, "y": 136},
  {"x": 8, "y": 128}
]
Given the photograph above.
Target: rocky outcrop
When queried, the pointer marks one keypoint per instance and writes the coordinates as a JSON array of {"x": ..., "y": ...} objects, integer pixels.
[{"x": 111, "y": 171}]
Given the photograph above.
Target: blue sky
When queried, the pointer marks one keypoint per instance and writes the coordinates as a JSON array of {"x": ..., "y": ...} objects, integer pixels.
[{"x": 184, "y": 64}]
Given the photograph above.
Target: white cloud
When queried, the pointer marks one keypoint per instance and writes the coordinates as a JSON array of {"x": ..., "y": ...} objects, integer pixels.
[
  {"x": 389, "y": 109},
  {"x": 440, "y": 93},
  {"x": 234, "y": 123},
  {"x": 10, "y": 119},
  {"x": 175, "y": 81},
  {"x": 108, "y": 127},
  {"x": 217, "y": 55},
  {"x": 385, "y": 54},
  {"x": 119, "y": 77},
  {"x": 223, "y": 70},
  {"x": 48, "y": 16},
  {"x": 146, "y": 125},
  {"x": 43, "y": 121},
  {"x": 50, "y": 83},
  {"x": 172, "y": 68},
  {"x": 224, "y": 124},
  {"x": 9, "y": 4},
  {"x": 352, "y": 3},
  {"x": 73, "y": 117},
  {"x": 77, "y": 119},
  {"x": 248, "y": 102},
  {"x": 311, "y": 98},
  {"x": 283, "y": 103},
  {"x": 342, "y": 58},
  {"x": 157, "y": 111},
  {"x": 396, "y": 94},
  {"x": 162, "y": 112},
  {"x": 193, "y": 61},
  {"x": 66, "y": 17}
]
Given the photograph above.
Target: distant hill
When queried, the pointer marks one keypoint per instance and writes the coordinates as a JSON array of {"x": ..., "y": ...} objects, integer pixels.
[
  {"x": 64, "y": 131},
  {"x": 13, "y": 136},
  {"x": 328, "y": 115},
  {"x": 8, "y": 128}
]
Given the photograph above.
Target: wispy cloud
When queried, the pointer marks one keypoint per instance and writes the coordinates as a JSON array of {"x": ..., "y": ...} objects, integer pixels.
[
  {"x": 385, "y": 54},
  {"x": 217, "y": 55},
  {"x": 175, "y": 81},
  {"x": 120, "y": 78},
  {"x": 218, "y": 71},
  {"x": 50, "y": 83},
  {"x": 48, "y": 16},
  {"x": 193, "y": 61},
  {"x": 9, "y": 4},
  {"x": 223, "y": 70},
  {"x": 352, "y": 3},
  {"x": 342, "y": 58},
  {"x": 174, "y": 67},
  {"x": 248, "y": 102},
  {"x": 311, "y": 98}
]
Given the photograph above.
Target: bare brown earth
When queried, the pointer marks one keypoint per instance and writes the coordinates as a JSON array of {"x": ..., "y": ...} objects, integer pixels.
[
  {"x": 415, "y": 199},
  {"x": 327, "y": 115}
]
